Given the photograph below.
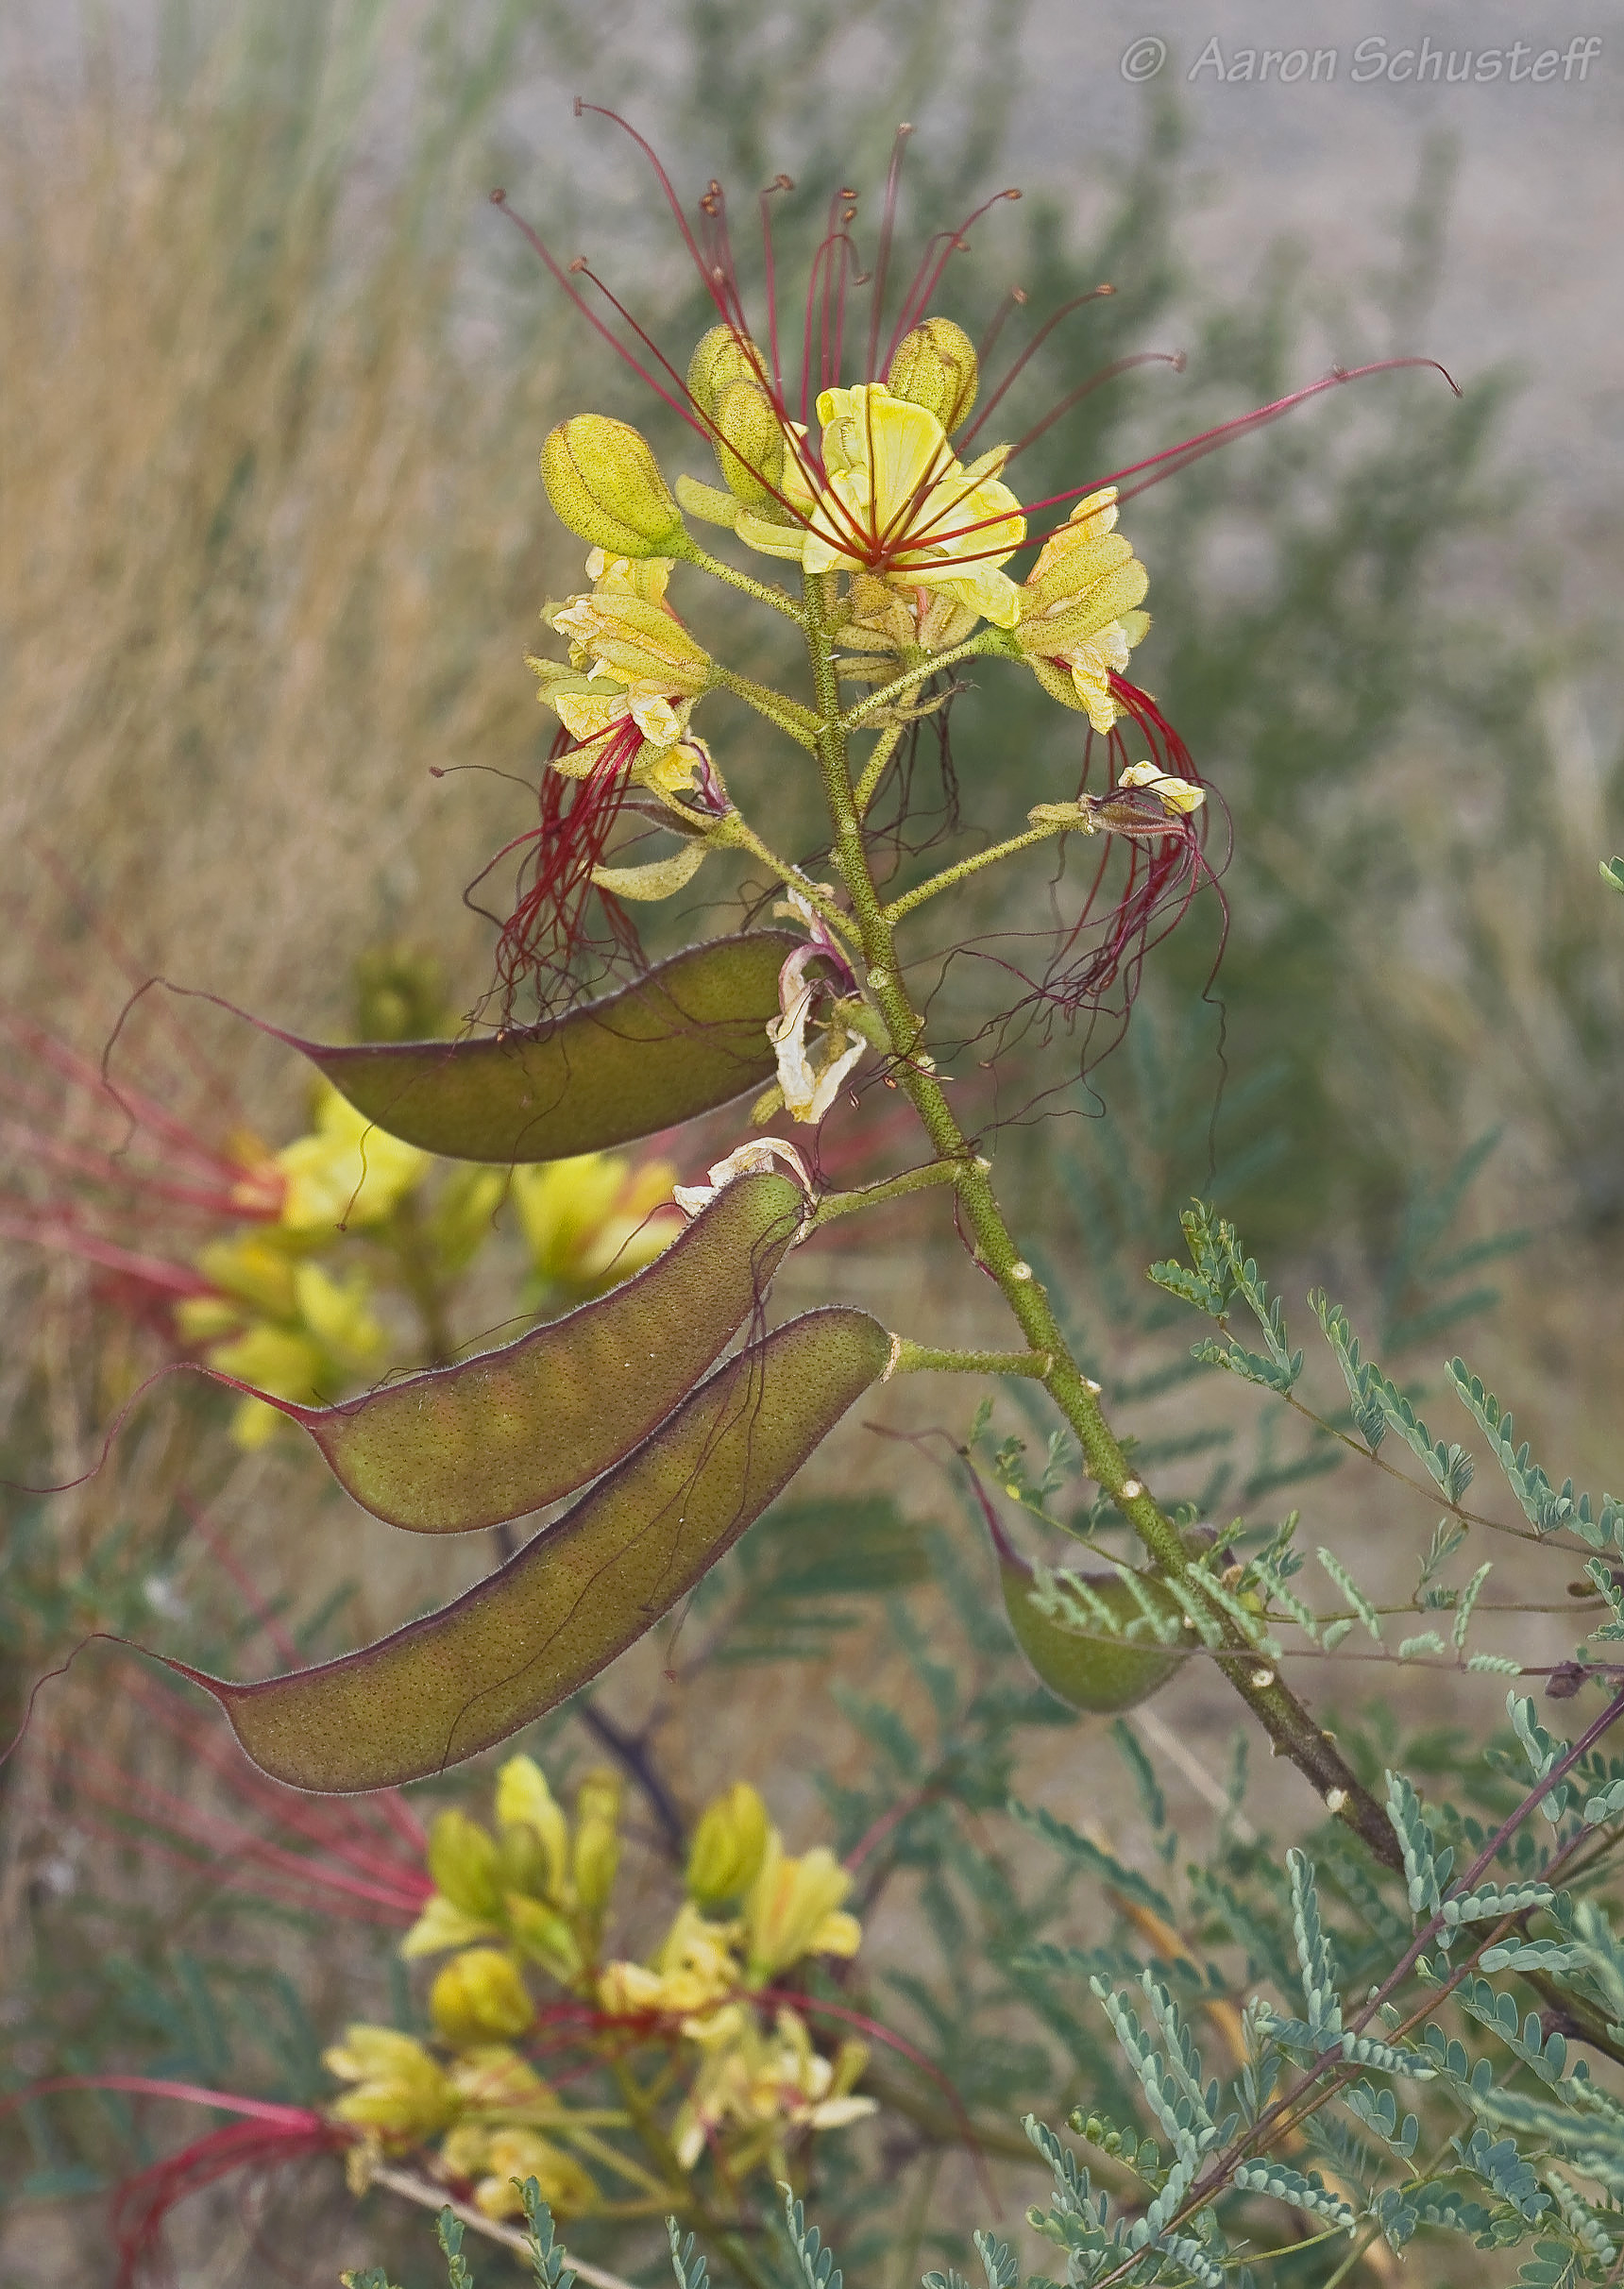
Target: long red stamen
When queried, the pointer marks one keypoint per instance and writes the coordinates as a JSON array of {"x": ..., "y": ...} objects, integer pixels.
[
  {"x": 547, "y": 929},
  {"x": 1085, "y": 389},
  {"x": 779, "y": 182},
  {"x": 718, "y": 254},
  {"x": 1032, "y": 347},
  {"x": 1015, "y": 300},
  {"x": 1174, "y": 458},
  {"x": 499, "y": 200},
  {"x": 929, "y": 276},
  {"x": 883, "y": 253}
]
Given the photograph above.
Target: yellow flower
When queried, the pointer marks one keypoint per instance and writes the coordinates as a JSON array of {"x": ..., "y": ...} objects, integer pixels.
[
  {"x": 935, "y": 366},
  {"x": 761, "y": 2087},
  {"x": 494, "y": 2160},
  {"x": 691, "y": 1979},
  {"x": 400, "y": 2092},
  {"x": 346, "y": 1171},
  {"x": 1178, "y": 797},
  {"x": 793, "y": 1910},
  {"x": 442, "y": 1925},
  {"x": 589, "y": 1222},
  {"x": 631, "y": 658},
  {"x": 463, "y": 1863},
  {"x": 895, "y": 501},
  {"x": 729, "y": 1845},
  {"x": 478, "y": 1997},
  {"x": 1078, "y": 609}
]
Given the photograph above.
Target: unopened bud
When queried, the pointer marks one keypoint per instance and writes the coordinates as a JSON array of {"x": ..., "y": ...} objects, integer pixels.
[
  {"x": 605, "y": 484},
  {"x": 722, "y": 357},
  {"x": 400, "y": 2091},
  {"x": 526, "y": 1803},
  {"x": 749, "y": 449},
  {"x": 463, "y": 1863},
  {"x": 480, "y": 1997},
  {"x": 728, "y": 1846},
  {"x": 597, "y": 1842},
  {"x": 935, "y": 366},
  {"x": 541, "y": 1933}
]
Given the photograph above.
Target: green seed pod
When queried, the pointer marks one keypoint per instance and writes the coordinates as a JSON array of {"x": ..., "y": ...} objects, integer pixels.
[
  {"x": 935, "y": 366},
  {"x": 508, "y": 1431},
  {"x": 605, "y": 484},
  {"x": 579, "y": 1593},
  {"x": 721, "y": 357},
  {"x": 752, "y": 459},
  {"x": 688, "y": 1036},
  {"x": 1100, "y": 1674}
]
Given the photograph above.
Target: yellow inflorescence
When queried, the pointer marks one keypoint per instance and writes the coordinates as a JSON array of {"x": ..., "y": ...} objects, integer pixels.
[{"x": 744, "y": 2074}]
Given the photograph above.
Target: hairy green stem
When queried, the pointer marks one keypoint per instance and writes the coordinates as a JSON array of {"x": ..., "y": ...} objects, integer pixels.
[
  {"x": 915, "y": 1358},
  {"x": 949, "y": 875},
  {"x": 1288, "y": 1726},
  {"x": 874, "y": 768},
  {"x": 763, "y": 593},
  {"x": 901, "y": 684},
  {"x": 893, "y": 1188},
  {"x": 788, "y": 716},
  {"x": 734, "y": 833}
]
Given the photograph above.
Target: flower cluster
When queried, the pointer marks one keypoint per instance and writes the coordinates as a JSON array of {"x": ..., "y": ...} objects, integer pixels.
[
  {"x": 331, "y": 1261},
  {"x": 743, "y": 2077}
]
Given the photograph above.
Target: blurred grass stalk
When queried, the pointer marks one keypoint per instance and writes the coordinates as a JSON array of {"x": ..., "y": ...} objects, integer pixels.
[{"x": 266, "y": 553}]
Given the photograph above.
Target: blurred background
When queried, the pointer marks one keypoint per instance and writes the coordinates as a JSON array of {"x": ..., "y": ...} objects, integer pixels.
[{"x": 271, "y": 549}]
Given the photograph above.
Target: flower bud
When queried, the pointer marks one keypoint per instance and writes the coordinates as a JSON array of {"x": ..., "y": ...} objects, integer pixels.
[
  {"x": 721, "y": 357},
  {"x": 463, "y": 1862},
  {"x": 729, "y": 1846},
  {"x": 399, "y": 2091},
  {"x": 935, "y": 366},
  {"x": 597, "y": 1842},
  {"x": 544, "y": 1936},
  {"x": 750, "y": 451},
  {"x": 524, "y": 1801},
  {"x": 480, "y": 1997},
  {"x": 605, "y": 484}
]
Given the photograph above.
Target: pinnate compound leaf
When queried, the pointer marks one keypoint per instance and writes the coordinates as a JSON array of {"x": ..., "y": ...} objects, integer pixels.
[
  {"x": 688, "y": 1036},
  {"x": 1543, "y": 1506},
  {"x": 579, "y": 1593},
  {"x": 510, "y": 1430},
  {"x": 1283, "y": 2184}
]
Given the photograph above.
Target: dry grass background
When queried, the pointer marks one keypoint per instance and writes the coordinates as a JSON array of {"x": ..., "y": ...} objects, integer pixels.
[{"x": 270, "y": 551}]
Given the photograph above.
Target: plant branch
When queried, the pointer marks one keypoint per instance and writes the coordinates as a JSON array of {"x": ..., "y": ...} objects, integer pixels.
[
  {"x": 900, "y": 685},
  {"x": 429, "y": 2196},
  {"x": 1287, "y": 1723},
  {"x": 949, "y": 875},
  {"x": 874, "y": 768},
  {"x": 891, "y": 1188},
  {"x": 915, "y": 1358},
  {"x": 763, "y": 593}
]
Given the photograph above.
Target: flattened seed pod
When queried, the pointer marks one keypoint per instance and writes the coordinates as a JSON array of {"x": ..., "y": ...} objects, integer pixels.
[
  {"x": 582, "y": 1591},
  {"x": 688, "y": 1037},
  {"x": 508, "y": 1431},
  {"x": 1100, "y": 1674}
]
